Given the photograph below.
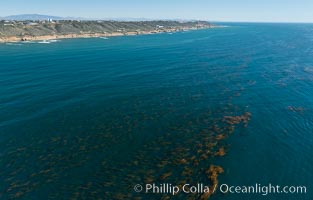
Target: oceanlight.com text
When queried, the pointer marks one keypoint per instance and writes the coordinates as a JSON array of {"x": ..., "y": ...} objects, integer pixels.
[{"x": 262, "y": 189}]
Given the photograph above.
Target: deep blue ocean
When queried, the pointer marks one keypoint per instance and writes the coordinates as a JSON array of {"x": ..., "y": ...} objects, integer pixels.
[{"x": 91, "y": 118}]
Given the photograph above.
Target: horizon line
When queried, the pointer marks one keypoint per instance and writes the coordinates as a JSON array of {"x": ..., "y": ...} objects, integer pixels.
[{"x": 153, "y": 19}]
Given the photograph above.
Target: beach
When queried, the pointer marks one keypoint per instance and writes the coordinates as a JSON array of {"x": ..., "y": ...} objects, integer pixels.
[
  {"x": 85, "y": 35},
  {"x": 34, "y": 32}
]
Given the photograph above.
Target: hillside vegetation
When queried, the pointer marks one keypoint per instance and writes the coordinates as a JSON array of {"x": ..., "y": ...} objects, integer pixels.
[{"x": 44, "y": 28}]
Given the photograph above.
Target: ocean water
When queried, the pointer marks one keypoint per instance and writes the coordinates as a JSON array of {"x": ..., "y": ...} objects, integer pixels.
[{"x": 91, "y": 118}]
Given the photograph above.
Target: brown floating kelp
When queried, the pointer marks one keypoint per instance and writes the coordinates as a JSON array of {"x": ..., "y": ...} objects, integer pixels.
[
  {"x": 184, "y": 154},
  {"x": 185, "y": 161}
]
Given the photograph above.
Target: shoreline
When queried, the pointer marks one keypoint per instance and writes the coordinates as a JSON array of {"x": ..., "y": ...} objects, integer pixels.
[{"x": 13, "y": 39}]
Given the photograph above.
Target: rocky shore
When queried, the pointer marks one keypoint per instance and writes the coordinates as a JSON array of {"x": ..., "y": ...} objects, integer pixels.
[{"x": 15, "y": 31}]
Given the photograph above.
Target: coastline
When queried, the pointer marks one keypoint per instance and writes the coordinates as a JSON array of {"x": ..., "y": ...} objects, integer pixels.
[{"x": 9, "y": 39}]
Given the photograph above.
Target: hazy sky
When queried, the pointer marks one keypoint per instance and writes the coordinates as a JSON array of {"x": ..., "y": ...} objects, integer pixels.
[{"x": 213, "y": 10}]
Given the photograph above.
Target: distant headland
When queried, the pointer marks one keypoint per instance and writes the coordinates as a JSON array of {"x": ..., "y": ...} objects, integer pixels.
[{"x": 44, "y": 28}]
